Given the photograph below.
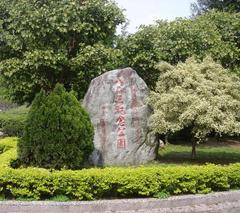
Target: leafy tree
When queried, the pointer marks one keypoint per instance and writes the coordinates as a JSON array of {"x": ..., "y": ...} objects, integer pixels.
[
  {"x": 202, "y": 6},
  {"x": 214, "y": 33},
  {"x": 58, "y": 132},
  {"x": 203, "y": 97},
  {"x": 46, "y": 42}
]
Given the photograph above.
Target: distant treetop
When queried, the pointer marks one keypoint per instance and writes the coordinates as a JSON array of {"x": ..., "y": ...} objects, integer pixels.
[{"x": 202, "y": 6}]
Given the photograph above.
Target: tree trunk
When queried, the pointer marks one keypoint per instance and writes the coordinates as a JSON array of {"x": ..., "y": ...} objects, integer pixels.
[
  {"x": 194, "y": 144},
  {"x": 166, "y": 139},
  {"x": 219, "y": 138}
]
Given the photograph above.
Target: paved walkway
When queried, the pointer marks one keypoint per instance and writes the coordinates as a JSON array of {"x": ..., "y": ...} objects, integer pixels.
[{"x": 223, "y": 202}]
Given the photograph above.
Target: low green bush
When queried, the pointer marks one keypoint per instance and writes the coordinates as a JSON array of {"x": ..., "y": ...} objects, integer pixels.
[
  {"x": 12, "y": 121},
  {"x": 91, "y": 184}
]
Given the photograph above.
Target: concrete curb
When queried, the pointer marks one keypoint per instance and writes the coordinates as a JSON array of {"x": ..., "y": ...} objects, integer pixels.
[{"x": 214, "y": 202}]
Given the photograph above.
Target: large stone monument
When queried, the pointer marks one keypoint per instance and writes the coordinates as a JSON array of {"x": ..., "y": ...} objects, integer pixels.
[{"x": 118, "y": 110}]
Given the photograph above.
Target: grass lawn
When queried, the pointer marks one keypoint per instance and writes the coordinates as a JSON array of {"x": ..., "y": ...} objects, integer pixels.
[
  {"x": 15, "y": 113},
  {"x": 218, "y": 153}
]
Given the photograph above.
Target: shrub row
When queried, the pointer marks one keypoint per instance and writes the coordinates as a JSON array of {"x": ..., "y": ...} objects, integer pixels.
[
  {"x": 117, "y": 182},
  {"x": 12, "y": 121},
  {"x": 90, "y": 184}
]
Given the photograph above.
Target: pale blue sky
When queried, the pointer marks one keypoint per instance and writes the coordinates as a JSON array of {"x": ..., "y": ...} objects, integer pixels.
[{"x": 146, "y": 11}]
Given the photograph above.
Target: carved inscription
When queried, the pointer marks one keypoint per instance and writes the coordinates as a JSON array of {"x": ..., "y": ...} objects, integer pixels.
[{"x": 121, "y": 112}]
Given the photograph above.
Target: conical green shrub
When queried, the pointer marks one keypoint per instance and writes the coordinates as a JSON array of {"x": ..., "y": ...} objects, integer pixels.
[{"x": 58, "y": 132}]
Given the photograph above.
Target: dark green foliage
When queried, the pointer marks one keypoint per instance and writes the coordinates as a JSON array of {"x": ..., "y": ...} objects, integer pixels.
[
  {"x": 47, "y": 42},
  {"x": 12, "y": 121},
  {"x": 58, "y": 132},
  {"x": 214, "y": 33},
  {"x": 12, "y": 127},
  {"x": 5, "y": 103},
  {"x": 202, "y": 6}
]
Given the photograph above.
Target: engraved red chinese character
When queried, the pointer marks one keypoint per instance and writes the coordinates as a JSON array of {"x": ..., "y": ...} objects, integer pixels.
[
  {"x": 121, "y": 143},
  {"x": 121, "y": 120}
]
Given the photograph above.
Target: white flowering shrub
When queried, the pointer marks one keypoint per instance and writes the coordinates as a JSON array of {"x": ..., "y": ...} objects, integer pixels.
[{"x": 203, "y": 96}]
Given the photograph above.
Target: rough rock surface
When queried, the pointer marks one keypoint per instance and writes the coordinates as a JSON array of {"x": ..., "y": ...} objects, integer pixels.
[{"x": 117, "y": 107}]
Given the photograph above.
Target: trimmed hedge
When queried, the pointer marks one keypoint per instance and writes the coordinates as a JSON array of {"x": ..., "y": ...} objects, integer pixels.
[
  {"x": 90, "y": 184},
  {"x": 12, "y": 121}
]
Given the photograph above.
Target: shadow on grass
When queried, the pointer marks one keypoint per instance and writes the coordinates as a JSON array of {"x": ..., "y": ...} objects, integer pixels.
[{"x": 182, "y": 154}]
